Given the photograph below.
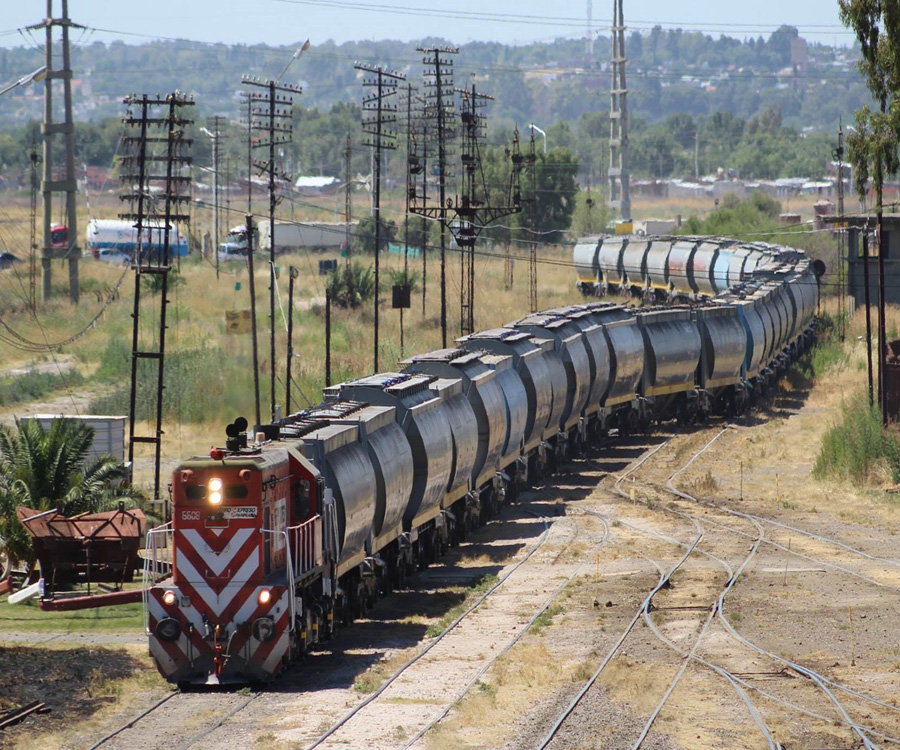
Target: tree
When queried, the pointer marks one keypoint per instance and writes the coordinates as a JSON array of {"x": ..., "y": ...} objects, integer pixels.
[
  {"x": 556, "y": 190},
  {"x": 874, "y": 145},
  {"x": 364, "y": 236},
  {"x": 47, "y": 469},
  {"x": 591, "y": 214}
]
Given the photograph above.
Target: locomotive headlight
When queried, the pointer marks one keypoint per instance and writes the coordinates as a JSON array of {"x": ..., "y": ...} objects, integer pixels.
[
  {"x": 169, "y": 598},
  {"x": 215, "y": 491},
  {"x": 168, "y": 629},
  {"x": 265, "y": 596},
  {"x": 263, "y": 629}
]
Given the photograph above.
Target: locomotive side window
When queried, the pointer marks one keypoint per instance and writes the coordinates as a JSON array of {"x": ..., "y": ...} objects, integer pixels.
[{"x": 302, "y": 501}]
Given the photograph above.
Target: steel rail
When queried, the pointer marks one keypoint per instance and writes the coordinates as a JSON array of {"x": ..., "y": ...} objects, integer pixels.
[
  {"x": 817, "y": 678},
  {"x": 481, "y": 672},
  {"x": 756, "y": 521},
  {"x": 416, "y": 657},
  {"x": 131, "y": 722}
]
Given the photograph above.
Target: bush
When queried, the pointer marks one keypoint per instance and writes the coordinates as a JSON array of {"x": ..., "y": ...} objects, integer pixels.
[
  {"x": 197, "y": 384},
  {"x": 351, "y": 289},
  {"x": 857, "y": 446},
  {"x": 35, "y": 385}
]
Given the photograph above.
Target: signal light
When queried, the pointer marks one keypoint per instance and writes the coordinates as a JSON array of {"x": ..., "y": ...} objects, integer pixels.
[
  {"x": 265, "y": 596},
  {"x": 169, "y": 598}
]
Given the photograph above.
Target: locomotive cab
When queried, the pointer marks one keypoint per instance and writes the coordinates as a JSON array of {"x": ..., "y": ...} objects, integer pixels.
[{"x": 245, "y": 532}]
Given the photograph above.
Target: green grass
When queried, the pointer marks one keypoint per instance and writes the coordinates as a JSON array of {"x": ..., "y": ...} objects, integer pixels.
[
  {"x": 828, "y": 352},
  {"x": 33, "y": 386},
  {"x": 545, "y": 620},
  {"x": 27, "y": 618},
  {"x": 197, "y": 383},
  {"x": 857, "y": 445}
]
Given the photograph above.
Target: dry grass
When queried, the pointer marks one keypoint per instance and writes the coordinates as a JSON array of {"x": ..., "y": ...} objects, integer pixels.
[
  {"x": 526, "y": 673},
  {"x": 635, "y": 682},
  {"x": 196, "y": 318}
]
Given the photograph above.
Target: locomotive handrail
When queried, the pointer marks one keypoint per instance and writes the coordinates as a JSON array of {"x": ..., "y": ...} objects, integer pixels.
[
  {"x": 304, "y": 536},
  {"x": 152, "y": 566},
  {"x": 289, "y": 570}
]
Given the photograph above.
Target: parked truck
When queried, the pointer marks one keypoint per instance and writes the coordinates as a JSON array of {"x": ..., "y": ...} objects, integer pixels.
[
  {"x": 114, "y": 237},
  {"x": 290, "y": 236}
]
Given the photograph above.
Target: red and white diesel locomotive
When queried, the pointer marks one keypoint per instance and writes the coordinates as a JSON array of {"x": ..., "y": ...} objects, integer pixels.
[{"x": 287, "y": 532}]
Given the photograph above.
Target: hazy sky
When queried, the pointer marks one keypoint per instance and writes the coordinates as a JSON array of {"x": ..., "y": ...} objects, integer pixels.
[{"x": 288, "y": 21}]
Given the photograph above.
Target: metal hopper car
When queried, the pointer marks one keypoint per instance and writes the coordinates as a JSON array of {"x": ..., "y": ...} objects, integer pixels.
[{"x": 297, "y": 527}]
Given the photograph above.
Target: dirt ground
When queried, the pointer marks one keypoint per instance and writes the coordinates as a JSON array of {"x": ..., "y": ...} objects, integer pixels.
[{"x": 73, "y": 682}]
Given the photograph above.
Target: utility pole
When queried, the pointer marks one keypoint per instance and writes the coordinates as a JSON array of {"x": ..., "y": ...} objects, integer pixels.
[
  {"x": 439, "y": 112},
  {"x": 32, "y": 255},
  {"x": 66, "y": 128},
  {"x": 376, "y": 125},
  {"x": 417, "y": 164},
  {"x": 142, "y": 155},
  {"x": 410, "y": 185},
  {"x": 867, "y": 296},
  {"x": 253, "y": 332},
  {"x": 348, "y": 204},
  {"x": 619, "y": 194},
  {"x": 838, "y": 154},
  {"x": 882, "y": 328},
  {"x": 532, "y": 222},
  {"x": 293, "y": 274},
  {"x": 589, "y": 39},
  {"x": 215, "y": 122},
  {"x": 271, "y": 112}
]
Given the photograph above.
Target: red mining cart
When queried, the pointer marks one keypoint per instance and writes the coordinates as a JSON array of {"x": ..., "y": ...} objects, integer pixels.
[{"x": 91, "y": 548}]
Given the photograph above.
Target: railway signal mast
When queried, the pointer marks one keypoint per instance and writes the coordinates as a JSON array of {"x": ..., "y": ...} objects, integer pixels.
[{"x": 472, "y": 209}]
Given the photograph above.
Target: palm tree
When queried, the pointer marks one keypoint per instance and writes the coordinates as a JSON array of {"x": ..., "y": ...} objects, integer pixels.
[{"x": 47, "y": 469}]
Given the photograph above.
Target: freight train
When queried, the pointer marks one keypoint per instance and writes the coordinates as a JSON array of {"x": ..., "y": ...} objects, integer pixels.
[{"x": 298, "y": 526}]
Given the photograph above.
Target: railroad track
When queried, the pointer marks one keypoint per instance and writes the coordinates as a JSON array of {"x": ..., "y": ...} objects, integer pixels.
[
  {"x": 379, "y": 709},
  {"x": 181, "y": 720},
  {"x": 715, "y": 614},
  {"x": 177, "y": 721}
]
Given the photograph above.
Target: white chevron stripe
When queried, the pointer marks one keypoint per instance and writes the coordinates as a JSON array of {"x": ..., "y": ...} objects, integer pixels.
[
  {"x": 217, "y": 561},
  {"x": 278, "y": 650},
  {"x": 218, "y": 603}
]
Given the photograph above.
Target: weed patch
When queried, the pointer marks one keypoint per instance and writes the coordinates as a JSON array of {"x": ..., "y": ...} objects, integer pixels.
[
  {"x": 33, "y": 386},
  {"x": 857, "y": 447}
]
